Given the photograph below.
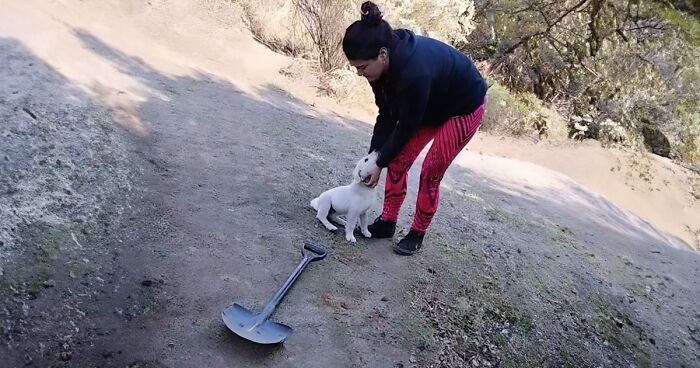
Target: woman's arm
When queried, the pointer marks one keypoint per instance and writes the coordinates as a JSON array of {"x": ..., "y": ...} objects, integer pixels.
[
  {"x": 413, "y": 100},
  {"x": 384, "y": 124}
]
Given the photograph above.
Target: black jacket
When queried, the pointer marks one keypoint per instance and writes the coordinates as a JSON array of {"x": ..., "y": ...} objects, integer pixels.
[{"x": 428, "y": 82}]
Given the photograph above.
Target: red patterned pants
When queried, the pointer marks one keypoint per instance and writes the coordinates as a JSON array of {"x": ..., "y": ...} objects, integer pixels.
[{"x": 448, "y": 140}]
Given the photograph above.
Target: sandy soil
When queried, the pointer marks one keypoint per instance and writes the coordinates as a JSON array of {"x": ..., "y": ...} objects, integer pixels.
[
  {"x": 652, "y": 187},
  {"x": 214, "y": 156}
]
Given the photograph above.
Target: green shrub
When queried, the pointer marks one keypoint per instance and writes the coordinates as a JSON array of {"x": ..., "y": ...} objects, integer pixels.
[
  {"x": 520, "y": 114},
  {"x": 689, "y": 113}
]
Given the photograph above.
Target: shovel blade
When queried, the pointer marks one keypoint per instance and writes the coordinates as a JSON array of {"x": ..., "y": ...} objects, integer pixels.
[{"x": 240, "y": 320}]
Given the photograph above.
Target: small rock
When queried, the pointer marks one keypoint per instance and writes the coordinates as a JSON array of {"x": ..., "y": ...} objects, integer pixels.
[
  {"x": 652, "y": 341},
  {"x": 412, "y": 359},
  {"x": 385, "y": 299},
  {"x": 66, "y": 356},
  {"x": 48, "y": 283},
  {"x": 618, "y": 323},
  {"x": 28, "y": 360},
  {"x": 430, "y": 270},
  {"x": 171, "y": 345},
  {"x": 147, "y": 283},
  {"x": 399, "y": 365}
]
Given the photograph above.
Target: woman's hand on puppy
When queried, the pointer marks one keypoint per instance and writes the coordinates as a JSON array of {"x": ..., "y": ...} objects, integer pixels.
[{"x": 372, "y": 178}]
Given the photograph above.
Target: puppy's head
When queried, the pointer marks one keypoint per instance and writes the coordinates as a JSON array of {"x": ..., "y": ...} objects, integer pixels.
[{"x": 364, "y": 166}]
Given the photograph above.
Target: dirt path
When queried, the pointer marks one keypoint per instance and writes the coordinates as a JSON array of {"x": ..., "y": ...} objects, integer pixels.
[
  {"x": 524, "y": 267},
  {"x": 232, "y": 177},
  {"x": 219, "y": 214}
]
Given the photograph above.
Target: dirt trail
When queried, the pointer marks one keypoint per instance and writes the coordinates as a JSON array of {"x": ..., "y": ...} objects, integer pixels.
[{"x": 225, "y": 162}]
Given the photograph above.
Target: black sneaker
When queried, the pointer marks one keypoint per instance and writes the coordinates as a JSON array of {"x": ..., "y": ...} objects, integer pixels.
[
  {"x": 382, "y": 229},
  {"x": 410, "y": 244}
]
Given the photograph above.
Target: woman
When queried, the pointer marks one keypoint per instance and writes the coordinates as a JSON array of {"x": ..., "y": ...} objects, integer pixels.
[{"x": 425, "y": 90}]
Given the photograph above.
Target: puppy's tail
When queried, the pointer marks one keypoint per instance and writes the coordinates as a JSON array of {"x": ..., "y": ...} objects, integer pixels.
[{"x": 314, "y": 204}]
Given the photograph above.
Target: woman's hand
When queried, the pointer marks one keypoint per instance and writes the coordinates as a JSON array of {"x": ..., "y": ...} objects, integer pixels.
[{"x": 372, "y": 178}]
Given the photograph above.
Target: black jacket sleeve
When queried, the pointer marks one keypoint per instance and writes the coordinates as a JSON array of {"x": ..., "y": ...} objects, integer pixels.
[
  {"x": 384, "y": 124},
  {"x": 413, "y": 100}
]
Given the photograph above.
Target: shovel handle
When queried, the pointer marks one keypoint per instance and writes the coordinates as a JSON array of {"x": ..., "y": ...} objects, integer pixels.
[{"x": 319, "y": 251}]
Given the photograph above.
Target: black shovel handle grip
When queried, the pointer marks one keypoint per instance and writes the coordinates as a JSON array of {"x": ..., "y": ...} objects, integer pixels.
[{"x": 319, "y": 251}]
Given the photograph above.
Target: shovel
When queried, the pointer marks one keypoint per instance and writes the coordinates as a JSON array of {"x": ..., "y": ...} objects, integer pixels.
[{"x": 257, "y": 328}]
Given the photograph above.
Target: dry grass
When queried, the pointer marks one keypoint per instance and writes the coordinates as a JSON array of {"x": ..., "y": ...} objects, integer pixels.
[
  {"x": 274, "y": 23},
  {"x": 323, "y": 22},
  {"x": 347, "y": 87}
]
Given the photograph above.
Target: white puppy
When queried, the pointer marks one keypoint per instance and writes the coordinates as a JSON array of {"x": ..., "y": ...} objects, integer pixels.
[{"x": 352, "y": 200}]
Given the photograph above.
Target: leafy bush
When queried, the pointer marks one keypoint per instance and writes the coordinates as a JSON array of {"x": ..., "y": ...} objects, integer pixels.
[
  {"x": 689, "y": 111},
  {"x": 520, "y": 114},
  {"x": 629, "y": 65},
  {"x": 447, "y": 20}
]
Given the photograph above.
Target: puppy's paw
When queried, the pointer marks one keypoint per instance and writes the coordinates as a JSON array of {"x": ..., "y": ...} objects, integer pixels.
[
  {"x": 366, "y": 233},
  {"x": 331, "y": 227},
  {"x": 350, "y": 238}
]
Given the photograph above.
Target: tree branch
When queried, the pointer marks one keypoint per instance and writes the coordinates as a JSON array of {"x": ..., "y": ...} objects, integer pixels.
[
  {"x": 527, "y": 38},
  {"x": 594, "y": 39}
]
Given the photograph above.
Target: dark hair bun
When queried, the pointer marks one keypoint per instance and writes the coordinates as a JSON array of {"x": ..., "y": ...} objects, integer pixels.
[{"x": 370, "y": 13}]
